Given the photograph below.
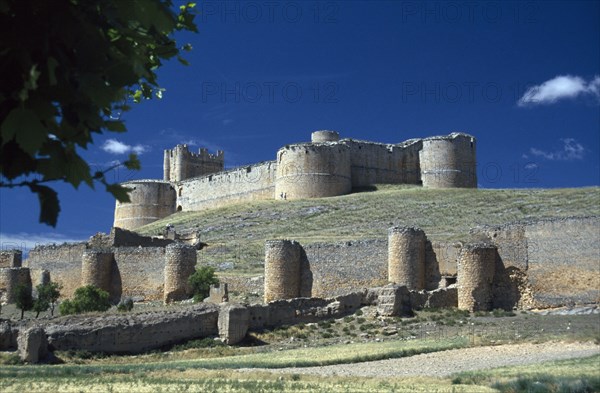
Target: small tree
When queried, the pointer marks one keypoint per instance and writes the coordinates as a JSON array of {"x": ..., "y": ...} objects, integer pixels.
[
  {"x": 23, "y": 299},
  {"x": 201, "y": 281},
  {"x": 48, "y": 294},
  {"x": 86, "y": 299}
]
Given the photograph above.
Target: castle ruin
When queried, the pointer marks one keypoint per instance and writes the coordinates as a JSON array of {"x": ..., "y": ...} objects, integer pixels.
[{"x": 327, "y": 166}]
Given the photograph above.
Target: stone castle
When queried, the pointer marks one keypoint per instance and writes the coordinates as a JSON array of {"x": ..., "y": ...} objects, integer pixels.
[
  {"x": 533, "y": 264},
  {"x": 327, "y": 166}
]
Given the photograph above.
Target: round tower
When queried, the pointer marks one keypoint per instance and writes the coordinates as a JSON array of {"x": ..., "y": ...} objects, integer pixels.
[
  {"x": 180, "y": 264},
  {"x": 282, "y": 270},
  {"x": 10, "y": 279},
  {"x": 149, "y": 201},
  {"x": 406, "y": 257},
  {"x": 96, "y": 266},
  {"x": 324, "y": 136},
  {"x": 313, "y": 171},
  {"x": 475, "y": 276},
  {"x": 448, "y": 162}
]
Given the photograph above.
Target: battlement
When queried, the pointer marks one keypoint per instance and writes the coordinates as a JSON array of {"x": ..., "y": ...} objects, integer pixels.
[{"x": 180, "y": 163}]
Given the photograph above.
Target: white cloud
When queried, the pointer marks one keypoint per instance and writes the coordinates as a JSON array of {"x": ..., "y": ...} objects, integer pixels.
[
  {"x": 531, "y": 165},
  {"x": 113, "y": 146},
  {"x": 571, "y": 150},
  {"x": 26, "y": 241},
  {"x": 560, "y": 87}
]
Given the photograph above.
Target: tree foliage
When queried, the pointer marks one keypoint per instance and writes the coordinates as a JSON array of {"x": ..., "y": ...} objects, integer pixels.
[
  {"x": 201, "y": 281},
  {"x": 86, "y": 299},
  {"x": 23, "y": 299},
  {"x": 48, "y": 294},
  {"x": 68, "y": 71}
]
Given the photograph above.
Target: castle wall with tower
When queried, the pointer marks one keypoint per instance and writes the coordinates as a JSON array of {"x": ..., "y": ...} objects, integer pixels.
[{"x": 324, "y": 167}]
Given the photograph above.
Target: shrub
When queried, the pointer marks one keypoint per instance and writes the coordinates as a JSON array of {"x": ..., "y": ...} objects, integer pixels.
[
  {"x": 126, "y": 304},
  {"x": 86, "y": 299},
  {"x": 201, "y": 281}
]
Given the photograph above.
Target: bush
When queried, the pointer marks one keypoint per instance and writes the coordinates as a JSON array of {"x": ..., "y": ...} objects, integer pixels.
[
  {"x": 201, "y": 281},
  {"x": 126, "y": 304},
  {"x": 86, "y": 299}
]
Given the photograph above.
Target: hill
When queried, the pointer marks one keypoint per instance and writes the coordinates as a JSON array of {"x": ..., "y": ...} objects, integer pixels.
[{"x": 236, "y": 234}]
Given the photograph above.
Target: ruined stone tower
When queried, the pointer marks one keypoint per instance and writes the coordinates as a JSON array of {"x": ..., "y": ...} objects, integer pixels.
[
  {"x": 476, "y": 264},
  {"x": 283, "y": 261},
  {"x": 406, "y": 257},
  {"x": 181, "y": 164},
  {"x": 180, "y": 264},
  {"x": 96, "y": 267}
]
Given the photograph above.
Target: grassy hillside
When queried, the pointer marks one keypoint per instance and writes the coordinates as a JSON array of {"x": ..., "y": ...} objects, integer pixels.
[{"x": 236, "y": 233}]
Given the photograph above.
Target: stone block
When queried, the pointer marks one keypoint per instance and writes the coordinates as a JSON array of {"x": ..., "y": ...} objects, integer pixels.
[
  {"x": 33, "y": 345},
  {"x": 233, "y": 323}
]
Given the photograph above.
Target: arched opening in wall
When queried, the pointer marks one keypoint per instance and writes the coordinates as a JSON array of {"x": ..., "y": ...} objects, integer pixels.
[{"x": 179, "y": 208}]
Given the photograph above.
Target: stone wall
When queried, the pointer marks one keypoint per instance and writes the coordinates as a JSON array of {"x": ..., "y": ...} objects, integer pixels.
[
  {"x": 62, "y": 261},
  {"x": 378, "y": 163},
  {"x": 559, "y": 258},
  {"x": 11, "y": 258},
  {"x": 253, "y": 182},
  {"x": 337, "y": 268},
  {"x": 132, "y": 333}
]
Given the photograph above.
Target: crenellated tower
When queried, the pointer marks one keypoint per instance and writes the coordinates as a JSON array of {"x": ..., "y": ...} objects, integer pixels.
[{"x": 181, "y": 164}]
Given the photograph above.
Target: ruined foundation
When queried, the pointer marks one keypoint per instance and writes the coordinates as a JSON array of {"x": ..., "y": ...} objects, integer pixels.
[
  {"x": 10, "y": 279},
  {"x": 180, "y": 264},
  {"x": 406, "y": 257},
  {"x": 95, "y": 269},
  {"x": 282, "y": 269},
  {"x": 476, "y": 264}
]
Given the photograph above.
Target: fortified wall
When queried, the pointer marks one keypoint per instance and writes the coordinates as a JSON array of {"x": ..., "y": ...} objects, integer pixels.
[
  {"x": 121, "y": 263},
  {"x": 327, "y": 166}
]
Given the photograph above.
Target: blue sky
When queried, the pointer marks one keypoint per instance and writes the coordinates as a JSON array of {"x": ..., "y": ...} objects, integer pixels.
[{"x": 522, "y": 77}]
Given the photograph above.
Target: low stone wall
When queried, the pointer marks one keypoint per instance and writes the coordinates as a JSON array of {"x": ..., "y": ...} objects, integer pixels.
[{"x": 133, "y": 333}]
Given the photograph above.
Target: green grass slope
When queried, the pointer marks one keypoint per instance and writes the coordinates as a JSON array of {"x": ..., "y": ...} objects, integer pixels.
[{"x": 236, "y": 233}]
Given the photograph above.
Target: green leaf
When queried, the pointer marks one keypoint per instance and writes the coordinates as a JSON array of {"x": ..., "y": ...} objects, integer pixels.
[
  {"x": 119, "y": 192},
  {"x": 133, "y": 162},
  {"x": 49, "y": 205},
  {"x": 115, "y": 126},
  {"x": 24, "y": 126}
]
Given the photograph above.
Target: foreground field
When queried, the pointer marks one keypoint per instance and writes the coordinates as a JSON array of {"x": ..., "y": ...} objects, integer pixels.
[
  {"x": 447, "y": 351},
  {"x": 236, "y": 234}
]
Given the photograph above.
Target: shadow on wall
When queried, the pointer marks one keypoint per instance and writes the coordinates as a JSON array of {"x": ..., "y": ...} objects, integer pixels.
[
  {"x": 306, "y": 275},
  {"x": 508, "y": 285},
  {"x": 116, "y": 283}
]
